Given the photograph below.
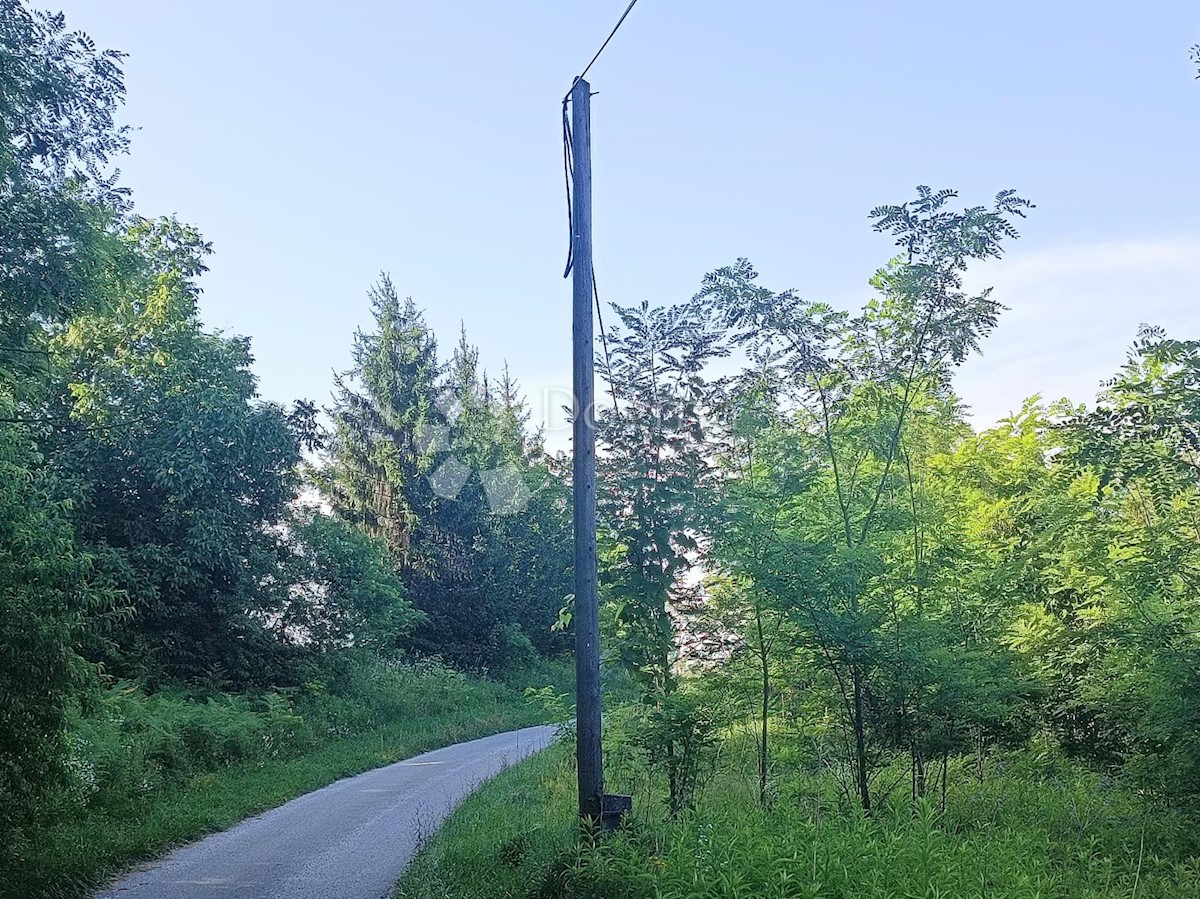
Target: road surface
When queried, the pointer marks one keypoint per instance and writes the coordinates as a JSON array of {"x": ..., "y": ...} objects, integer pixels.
[{"x": 350, "y": 840}]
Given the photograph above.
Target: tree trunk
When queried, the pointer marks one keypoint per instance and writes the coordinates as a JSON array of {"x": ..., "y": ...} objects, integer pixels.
[
  {"x": 920, "y": 776},
  {"x": 945, "y": 770},
  {"x": 860, "y": 742},
  {"x": 763, "y": 754}
]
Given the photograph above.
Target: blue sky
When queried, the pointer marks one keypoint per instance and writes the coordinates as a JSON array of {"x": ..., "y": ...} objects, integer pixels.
[{"x": 317, "y": 144}]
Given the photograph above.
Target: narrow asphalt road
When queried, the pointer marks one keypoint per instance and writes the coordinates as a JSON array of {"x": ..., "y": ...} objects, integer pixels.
[{"x": 350, "y": 840}]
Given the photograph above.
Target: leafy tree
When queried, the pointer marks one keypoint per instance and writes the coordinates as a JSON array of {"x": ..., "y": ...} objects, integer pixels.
[
  {"x": 58, "y": 97},
  {"x": 856, "y": 384},
  {"x": 45, "y": 595},
  {"x": 655, "y": 476},
  {"x": 1120, "y": 626},
  {"x": 754, "y": 597},
  {"x": 655, "y": 500},
  {"x": 178, "y": 473},
  {"x": 343, "y": 589}
]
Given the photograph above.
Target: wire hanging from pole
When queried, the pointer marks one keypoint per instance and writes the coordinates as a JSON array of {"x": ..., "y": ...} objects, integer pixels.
[{"x": 568, "y": 164}]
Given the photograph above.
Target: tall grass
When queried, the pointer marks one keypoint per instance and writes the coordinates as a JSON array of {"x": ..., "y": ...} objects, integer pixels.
[{"x": 1037, "y": 827}]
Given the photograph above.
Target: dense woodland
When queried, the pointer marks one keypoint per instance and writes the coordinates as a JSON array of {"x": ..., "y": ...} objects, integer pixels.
[{"x": 818, "y": 551}]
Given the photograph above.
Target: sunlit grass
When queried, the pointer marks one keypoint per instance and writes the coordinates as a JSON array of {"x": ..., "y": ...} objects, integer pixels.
[
  {"x": 504, "y": 837},
  {"x": 1034, "y": 829}
]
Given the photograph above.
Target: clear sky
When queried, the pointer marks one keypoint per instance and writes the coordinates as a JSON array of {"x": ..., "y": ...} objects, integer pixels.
[{"x": 317, "y": 144}]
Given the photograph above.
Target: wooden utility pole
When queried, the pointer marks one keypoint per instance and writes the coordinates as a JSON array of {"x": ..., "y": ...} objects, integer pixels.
[{"x": 588, "y": 752}]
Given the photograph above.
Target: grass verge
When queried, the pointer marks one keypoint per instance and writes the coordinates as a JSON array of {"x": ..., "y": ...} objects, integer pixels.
[
  {"x": 1032, "y": 830},
  {"x": 505, "y": 839}
]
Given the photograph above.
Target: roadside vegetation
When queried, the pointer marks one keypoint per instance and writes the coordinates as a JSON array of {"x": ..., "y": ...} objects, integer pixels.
[
  {"x": 153, "y": 771},
  {"x": 1036, "y": 826}
]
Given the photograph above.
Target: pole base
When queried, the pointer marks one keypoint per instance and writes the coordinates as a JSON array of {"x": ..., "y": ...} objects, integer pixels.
[{"x": 612, "y": 808}]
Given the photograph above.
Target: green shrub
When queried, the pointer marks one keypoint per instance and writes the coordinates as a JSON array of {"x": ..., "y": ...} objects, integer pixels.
[{"x": 131, "y": 743}]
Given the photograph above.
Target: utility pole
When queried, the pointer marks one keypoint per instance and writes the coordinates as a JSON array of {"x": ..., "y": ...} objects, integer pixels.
[{"x": 588, "y": 751}]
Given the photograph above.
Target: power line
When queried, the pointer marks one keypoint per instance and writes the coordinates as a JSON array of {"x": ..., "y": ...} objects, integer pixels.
[
  {"x": 611, "y": 35},
  {"x": 567, "y": 148}
]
